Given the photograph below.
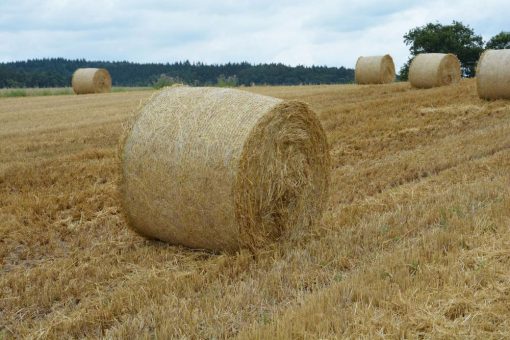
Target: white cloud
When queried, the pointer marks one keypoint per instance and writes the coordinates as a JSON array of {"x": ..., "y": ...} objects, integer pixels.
[{"x": 324, "y": 32}]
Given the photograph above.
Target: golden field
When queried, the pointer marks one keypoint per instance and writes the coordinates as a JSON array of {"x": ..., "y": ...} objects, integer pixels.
[{"x": 415, "y": 241}]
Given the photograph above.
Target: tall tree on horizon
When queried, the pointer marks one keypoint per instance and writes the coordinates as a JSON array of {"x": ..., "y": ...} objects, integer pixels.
[
  {"x": 500, "y": 41},
  {"x": 456, "y": 38}
]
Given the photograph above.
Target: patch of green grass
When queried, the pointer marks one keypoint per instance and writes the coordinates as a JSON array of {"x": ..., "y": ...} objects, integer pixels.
[
  {"x": 13, "y": 93},
  {"x": 127, "y": 89},
  {"x": 30, "y": 92},
  {"x": 56, "y": 91}
]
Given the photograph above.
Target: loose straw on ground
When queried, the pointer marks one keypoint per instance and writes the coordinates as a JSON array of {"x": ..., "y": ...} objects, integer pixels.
[{"x": 223, "y": 169}]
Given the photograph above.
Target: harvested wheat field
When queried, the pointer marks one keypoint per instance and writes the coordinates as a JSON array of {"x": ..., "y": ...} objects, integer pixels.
[{"x": 414, "y": 242}]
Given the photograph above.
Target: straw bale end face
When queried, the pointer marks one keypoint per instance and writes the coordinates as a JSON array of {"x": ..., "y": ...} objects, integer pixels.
[
  {"x": 91, "y": 80},
  {"x": 223, "y": 169},
  {"x": 493, "y": 75},
  {"x": 283, "y": 177}
]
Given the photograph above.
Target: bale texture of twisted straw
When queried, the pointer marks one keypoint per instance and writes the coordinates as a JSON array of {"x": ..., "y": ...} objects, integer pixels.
[
  {"x": 223, "y": 169},
  {"x": 91, "y": 80},
  {"x": 493, "y": 75},
  {"x": 429, "y": 70},
  {"x": 375, "y": 70}
]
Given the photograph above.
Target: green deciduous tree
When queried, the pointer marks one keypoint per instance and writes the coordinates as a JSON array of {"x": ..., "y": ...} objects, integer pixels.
[
  {"x": 456, "y": 38},
  {"x": 499, "y": 41}
]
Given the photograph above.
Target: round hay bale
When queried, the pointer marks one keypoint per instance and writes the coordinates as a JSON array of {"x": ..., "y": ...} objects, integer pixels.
[
  {"x": 91, "y": 80},
  {"x": 493, "y": 75},
  {"x": 223, "y": 169},
  {"x": 434, "y": 69},
  {"x": 375, "y": 70}
]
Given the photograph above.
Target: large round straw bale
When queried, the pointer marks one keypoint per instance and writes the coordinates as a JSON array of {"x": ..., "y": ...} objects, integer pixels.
[
  {"x": 375, "y": 70},
  {"x": 223, "y": 169},
  {"x": 434, "y": 69},
  {"x": 91, "y": 80},
  {"x": 493, "y": 74}
]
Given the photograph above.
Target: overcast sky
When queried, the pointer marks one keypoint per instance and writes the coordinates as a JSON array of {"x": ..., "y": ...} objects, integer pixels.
[{"x": 321, "y": 32}]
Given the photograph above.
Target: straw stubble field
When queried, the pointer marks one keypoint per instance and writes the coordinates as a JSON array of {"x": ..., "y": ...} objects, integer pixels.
[{"x": 415, "y": 240}]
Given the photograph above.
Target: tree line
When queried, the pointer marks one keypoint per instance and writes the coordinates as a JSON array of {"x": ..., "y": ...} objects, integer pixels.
[
  {"x": 57, "y": 72},
  {"x": 455, "y": 38}
]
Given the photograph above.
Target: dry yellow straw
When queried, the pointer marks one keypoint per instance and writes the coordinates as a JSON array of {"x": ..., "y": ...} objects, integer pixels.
[
  {"x": 223, "y": 169},
  {"x": 375, "y": 70},
  {"x": 434, "y": 69},
  {"x": 91, "y": 80},
  {"x": 493, "y": 75}
]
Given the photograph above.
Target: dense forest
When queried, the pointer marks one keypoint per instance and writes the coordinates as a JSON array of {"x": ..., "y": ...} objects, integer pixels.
[{"x": 57, "y": 72}]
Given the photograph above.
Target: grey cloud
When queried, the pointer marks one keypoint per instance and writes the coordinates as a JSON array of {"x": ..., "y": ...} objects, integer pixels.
[{"x": 294, "y": 32}]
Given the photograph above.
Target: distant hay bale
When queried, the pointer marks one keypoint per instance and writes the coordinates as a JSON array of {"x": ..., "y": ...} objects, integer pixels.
[
  {"x": 223, "y": 169},
  {"x": 375, "y": 70},
  {"x": 434, "y": 69},
  {"x": 493, "y": 75},
  {"x": 91, "y": 80}
]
